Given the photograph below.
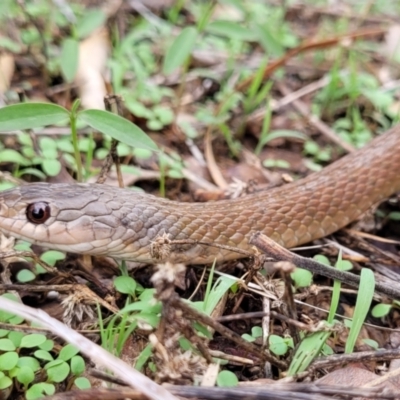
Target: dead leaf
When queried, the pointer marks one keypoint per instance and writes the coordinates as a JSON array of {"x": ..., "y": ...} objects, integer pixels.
[{"x": 93, "y": 54}]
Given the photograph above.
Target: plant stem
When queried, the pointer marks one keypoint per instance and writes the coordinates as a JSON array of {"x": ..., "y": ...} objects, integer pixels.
[{"x": 74, "y": 135}]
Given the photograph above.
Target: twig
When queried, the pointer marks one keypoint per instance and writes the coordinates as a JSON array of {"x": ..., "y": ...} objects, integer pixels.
[
  {"x": 278, "y": 253},
  {"x": 233, "y": 336},
  {"x": 94, "y": 352},
  {"x": 315, "y": 121}
]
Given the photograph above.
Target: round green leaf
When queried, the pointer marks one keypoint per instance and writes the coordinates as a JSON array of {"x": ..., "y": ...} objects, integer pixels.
[
  {"x": 125, "y": 284},
  {"x": 77, "y": 365},
  {"x": 180, "y": 49},
  {"x": 47, "y": 345},
  {"x": 31, "y": 115},
  {"x": 117, "y": 127},
  {"x": 82, "y": 383},
  {"x": 38, "y": 390},
  {"x": 8, "y": 361},
  {"x": 57, "y": 371},
  {"x": 6, "y": 345},
  {"x": 67, "y": 352},
  {"x": 4, "y": 332},
  {"x": 25, "y": 375},
  {"x": 29, "y": 362},
  {"x": 25, "y": 275},
  {"x": 15, "y": 320},
  {"x": 301, "y": 277},
  {"x": 51, "y": 167},
  {"x": 277, "y": 345},
  {"x": 46, "y": 143},
  {"x": 33, "y": 340},
  {"x": 5, "y": 382},
  {"x": 381, "y": 310},
  {"x": 52, "y": 256},
  {"x": 256, "y": 331},
  {"x": 4, "y": 315},
  {"x": 227, "y": 379},
  {"x": 16, "y": 337}
]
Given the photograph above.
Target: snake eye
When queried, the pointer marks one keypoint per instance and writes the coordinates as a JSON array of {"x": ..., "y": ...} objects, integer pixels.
[{"x": 39, "y": 212}]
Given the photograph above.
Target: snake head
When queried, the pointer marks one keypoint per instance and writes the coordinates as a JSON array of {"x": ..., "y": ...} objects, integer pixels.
[{"x": 60, "y": 216}]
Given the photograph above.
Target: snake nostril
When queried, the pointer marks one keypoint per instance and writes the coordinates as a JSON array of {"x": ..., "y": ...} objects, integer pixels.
[{"x": 38, "y": 213}]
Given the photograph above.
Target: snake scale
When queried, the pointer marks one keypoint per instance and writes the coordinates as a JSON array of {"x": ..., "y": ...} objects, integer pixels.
[{"x": 123, "y": 224}]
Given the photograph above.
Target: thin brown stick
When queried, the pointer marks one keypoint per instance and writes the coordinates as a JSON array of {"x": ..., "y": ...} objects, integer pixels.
[
  {"x": 278, "y": 253},
  {"x": 233, "y": 336}
]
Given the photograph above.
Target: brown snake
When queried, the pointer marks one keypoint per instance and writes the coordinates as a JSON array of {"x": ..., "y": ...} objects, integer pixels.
[{"x": 121, "y": 223}]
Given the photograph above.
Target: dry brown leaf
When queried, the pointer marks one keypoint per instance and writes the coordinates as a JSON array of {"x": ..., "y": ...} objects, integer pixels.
[
  {"x": 7, "y": 67},
  {"x": 93, "y": 54}
]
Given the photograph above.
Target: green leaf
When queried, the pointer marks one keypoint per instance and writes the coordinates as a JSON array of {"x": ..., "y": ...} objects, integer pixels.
[
  {"x": 47, "y": 143},
  {"x": 29, "y": 362},
  {"x": 117, "y": 127},
  {"x": 381, "y": 310},
  {"x": 143, "y": 357},
  {"x": 4, "y": 332},
  {"x": 69, "y": 59},
  {"x": 283, "y": 134},
  {"x": 16, "y": 337},
  {"x": 92, "y": 20},
  {"x": 25, "y": 375},
  {"x": 82, "y": 383},
  {"x": 77, "y": 365},
  {"x": 164, "y": 114},
  {"x": 67, "y": 352},
  {"x": 39, "y": 390},
  {"x": 231, "y": 30},
  {"x": 25, "y": 275},
  {"x": 8, "y": 361},
  {"x": 394, "y": 215},
  {"x": 308, "y": 349},
  {"x": 227, "y": 379},
  {"x": 248, "y": 337},
  {"x": 256, "y": 331},
  {"x": 5, "y": 382},
  {"x": 32, "y": 171},
  {"x": 6, "y": 345},
  {"x": 125, "y": 285},
  {"x": 301, "y": 277},
  {"x": 51, "y": 167},
  {"x": 322, "y": 259},
  {"x": 10, "y": 155},
  {"x": 15, "y": 320},
  {"x": 52, "y": 256},
  {"x": 4, "y": 315},
  {"x": 43, "y": 355},
  {"x": 33, "y": 340},
  {"x": 180, "y": 50},
  {"x": 344, "y": 265},
  {"x": 138, "y": 109},
  {"x": 267, "y": 40},
  {"x": 147, "y": 305},
  {"x": 371, "y": 343},
  {"x": 57, "y": 370},
  {"x": 47, "y": 345},
  {"x": 31, "y": 115},
  {"x": 363, "y": 303},
  {"x": 220, "y": 287},
  {"x": 277, "y": 345}
]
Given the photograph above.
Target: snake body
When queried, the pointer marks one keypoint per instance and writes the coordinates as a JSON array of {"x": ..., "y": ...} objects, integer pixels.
[{"x": 121, "y": 223}]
